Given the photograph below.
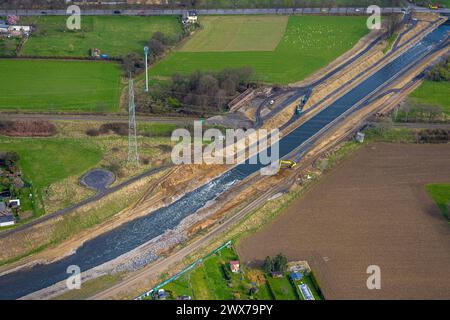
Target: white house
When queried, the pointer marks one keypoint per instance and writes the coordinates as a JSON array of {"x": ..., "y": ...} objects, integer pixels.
[
  {"x": 26, "y": 29},
  {"x": 190, "y": 17}
]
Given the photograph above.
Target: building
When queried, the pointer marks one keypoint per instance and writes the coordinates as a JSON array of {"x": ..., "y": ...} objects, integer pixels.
[
  {"x": 360, "y": 137},
  {"x": 234, "y": 266},
  {"x": 14, "y": 203},
  {"x": 190, "y": 17},
  {"x": 296, "y": 276},
  {"x": 19, "y": 30},
  {"x": 6, "y": 216}
]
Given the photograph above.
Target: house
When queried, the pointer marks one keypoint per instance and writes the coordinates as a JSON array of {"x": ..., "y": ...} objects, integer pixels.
[
  {"x": 190, "y": 17},
  {"x": 19, "y": 30},
  {"x": 6, "y": 216},
  {"x": 296, "y": 276},
  {"x": 234, "y": 266}
]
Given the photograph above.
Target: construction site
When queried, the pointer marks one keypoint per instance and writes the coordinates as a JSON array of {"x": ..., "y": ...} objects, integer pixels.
[{"x": 182, "y": 211}]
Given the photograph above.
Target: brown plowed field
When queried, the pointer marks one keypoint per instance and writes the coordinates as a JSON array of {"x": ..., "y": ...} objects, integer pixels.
[{"x": 371, "y": 210}]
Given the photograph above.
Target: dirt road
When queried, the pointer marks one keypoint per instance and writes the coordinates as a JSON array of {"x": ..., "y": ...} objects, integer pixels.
[{"x": 372, "y": 210}]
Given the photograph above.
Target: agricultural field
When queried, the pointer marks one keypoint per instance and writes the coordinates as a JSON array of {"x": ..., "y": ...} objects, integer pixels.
[
  {"x": 392, "y": 220},
  {"x": 60, "y": 86},
  {"x": 308, "y": 44},
  {"x": 237, "y": 33},
  {"x": 113, "y": 35},
  {"x": 433, "y": 93}
]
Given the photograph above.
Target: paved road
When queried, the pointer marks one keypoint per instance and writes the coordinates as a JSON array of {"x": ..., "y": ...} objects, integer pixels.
[{"x": 153, "y": 12}]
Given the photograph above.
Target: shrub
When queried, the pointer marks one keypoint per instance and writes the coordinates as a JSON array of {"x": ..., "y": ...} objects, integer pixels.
[
  {"x": 28, "y": 128},
  {"x": 92, "y": 132},
  {"x": 119, "y": 128}
]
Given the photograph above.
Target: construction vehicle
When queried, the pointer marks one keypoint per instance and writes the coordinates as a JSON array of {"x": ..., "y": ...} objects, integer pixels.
[
  {"x": 286, "y": 164},
  {"x": 433, "y": 6},
  {"x": 299, "y": 109}
]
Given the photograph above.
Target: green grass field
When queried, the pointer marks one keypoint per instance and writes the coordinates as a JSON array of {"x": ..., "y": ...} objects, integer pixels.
[
  {"x": 282, "y": 289},
  {"x": 114, "y": 35},
  {"x": 39, "y": 85},
  {"x": 44, "y": 161},
  {"x": 441, "y": 195},
  {"x": 434, "y": 93},
  {"x": 237, "y": 33},
  {"x": 309, "y": 43},
  {"x": 207, "y": 281}
]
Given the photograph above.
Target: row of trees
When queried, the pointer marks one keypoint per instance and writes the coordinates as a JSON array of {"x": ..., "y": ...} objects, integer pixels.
[{"x": 277, "y": 264}]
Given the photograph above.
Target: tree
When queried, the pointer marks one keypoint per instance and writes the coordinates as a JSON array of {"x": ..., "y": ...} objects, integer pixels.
[
  {"x": 280, "y": 263},
  {"x": 268, "y": 265},
  {"x": 393, "y": 22},
  {"x": 157, "y": 48},
  {"x": 11, "y": 157},
  {"x": 132, "y": 63}
]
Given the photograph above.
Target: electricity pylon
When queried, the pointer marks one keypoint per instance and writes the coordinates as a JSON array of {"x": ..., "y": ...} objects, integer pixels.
[{"x": 133, "y": 156}]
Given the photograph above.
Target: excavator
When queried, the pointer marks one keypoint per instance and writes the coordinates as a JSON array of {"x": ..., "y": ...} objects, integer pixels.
[{"x": 286, "y": 164}]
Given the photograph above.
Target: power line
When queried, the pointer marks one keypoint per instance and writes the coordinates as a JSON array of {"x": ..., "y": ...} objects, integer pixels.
[{"x": 133, "y": 156}]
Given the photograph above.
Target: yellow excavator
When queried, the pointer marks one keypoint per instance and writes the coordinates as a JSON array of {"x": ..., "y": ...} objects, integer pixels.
[{"x": 286, "y": 164}]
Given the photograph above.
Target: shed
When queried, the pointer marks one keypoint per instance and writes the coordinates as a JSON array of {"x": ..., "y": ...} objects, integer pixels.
[
  {"x": 6, "y": 216},
  {"x": 296, "y": 276},
  {"x": 234, "y": 266}
]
